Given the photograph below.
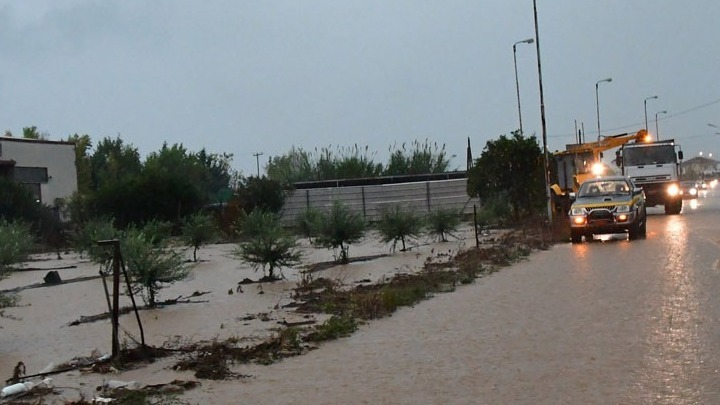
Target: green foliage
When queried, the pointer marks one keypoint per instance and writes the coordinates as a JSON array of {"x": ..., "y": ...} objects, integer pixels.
[
  {"x": 260, "y": 193},
  {"x": 87, "y": 236},
  {"x": 442, "y": 222},
  {"x": 334, "y": 328},
  {"x": 113, "y": 161},
  {"x": 198, "y": 229},
  {"x": 349, "y": 163},
  {"x": 16, "y": 202},
  {"x": 339, "y": 228},
  {"x": 269, "y": 246},
  {"x": 82, "y": 161},
  {"x": 295, "y": 166},
  {"x": 421, "y": 159},
  {"x": 149, "y": 195},
  {"x": 513, "y": 165},
  {"x": 396, "y": 225},
  {"x": 150, "y": 267},
  {"x": 307, "y": 222},
  {"x": 16, "y": 240},
  {"x": 33, "y": 133},
  {"x": 157, "y": 231}
]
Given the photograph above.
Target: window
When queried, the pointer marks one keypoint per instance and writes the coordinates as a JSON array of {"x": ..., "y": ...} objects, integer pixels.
[{"x": 31, "y": 174}]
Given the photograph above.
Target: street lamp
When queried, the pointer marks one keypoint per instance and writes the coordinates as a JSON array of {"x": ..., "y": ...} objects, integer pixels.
[
  {"x": 645, "y": 104},
  {"x": 517, "y": 83},
  {"x": 657, "y": 131},
  {"x": 597, "y": 101}
]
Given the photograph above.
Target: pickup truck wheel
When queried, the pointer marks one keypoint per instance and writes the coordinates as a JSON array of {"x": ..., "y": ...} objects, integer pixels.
[
  {"x": 643, "y": 227},
  {"x": 634, "y": 232},
  {"x": 575, "y": 237}
]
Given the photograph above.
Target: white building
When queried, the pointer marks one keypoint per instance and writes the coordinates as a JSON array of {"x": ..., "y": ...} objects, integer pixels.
[{"x": 46, "y": 168}]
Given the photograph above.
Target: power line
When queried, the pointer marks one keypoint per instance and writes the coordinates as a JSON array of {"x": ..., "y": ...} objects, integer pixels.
[{"x": 638, "y": 124}]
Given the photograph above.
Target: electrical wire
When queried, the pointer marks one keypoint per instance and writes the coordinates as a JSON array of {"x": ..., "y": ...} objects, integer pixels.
[{"x": 665, "y": 117}]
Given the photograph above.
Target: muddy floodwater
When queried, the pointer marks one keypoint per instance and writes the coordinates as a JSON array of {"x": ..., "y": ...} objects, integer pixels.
[{"x": 605, "y": 322}]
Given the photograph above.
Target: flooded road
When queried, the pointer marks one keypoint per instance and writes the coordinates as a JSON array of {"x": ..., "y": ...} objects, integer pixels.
[{"x": 607, "y": 322}]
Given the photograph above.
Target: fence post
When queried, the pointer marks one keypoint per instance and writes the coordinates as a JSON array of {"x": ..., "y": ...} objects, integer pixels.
[
  {"x": 427, "y": 195},
  {"x": 477, "y": 240},
  {"x": 362, "y": 189}
]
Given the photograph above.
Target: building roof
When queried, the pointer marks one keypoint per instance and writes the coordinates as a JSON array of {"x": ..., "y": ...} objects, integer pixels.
[{"x": 27, "y": 140}]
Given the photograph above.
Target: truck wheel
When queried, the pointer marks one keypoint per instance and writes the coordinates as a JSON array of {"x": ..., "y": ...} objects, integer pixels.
[
  {"x": 575, "y": 237},
  {"x": 643, "y": 227},
  {"x": 673, "y": 207}
]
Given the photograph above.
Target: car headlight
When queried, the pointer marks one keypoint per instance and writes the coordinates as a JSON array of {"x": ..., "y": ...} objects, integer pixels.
[
  {"x": 673, "y": 190},
  {"x": 693, "y": 191},
  {"x": 577, "y": 211},
  {"x": 623, "y": 208}
]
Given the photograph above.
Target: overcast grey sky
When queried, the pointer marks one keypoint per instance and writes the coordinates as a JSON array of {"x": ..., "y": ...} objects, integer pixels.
[{"x": 261, "y": 76}]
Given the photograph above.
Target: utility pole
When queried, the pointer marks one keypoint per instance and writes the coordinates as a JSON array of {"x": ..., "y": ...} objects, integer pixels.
[
  {"x": 257, "y": 161},
  {"x": 542, "y": 120}
]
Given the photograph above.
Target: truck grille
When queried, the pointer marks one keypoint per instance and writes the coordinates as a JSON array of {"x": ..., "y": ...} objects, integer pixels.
[{"x": 602, "y": 208}]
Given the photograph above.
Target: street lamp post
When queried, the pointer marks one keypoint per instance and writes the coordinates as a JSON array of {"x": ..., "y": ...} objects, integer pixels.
[
  {"x": 597, "y": 101},
  {"x": 517, "y": 83},
  {"x": 645, "y": 104},
  {"x": 657, "y": 130}
]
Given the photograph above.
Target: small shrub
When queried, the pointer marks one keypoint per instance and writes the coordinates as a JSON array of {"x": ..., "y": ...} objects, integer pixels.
[
  {"x": 397, "y": 225},
  {"x": 339, "y": 228},
  {"x": 334, "y": 328},
  {"x": 443, "y": 222},
  {"x": 308, "y": 222},
  {"x": 270, "y": 246},
  {"x": 198, "y": 229}
]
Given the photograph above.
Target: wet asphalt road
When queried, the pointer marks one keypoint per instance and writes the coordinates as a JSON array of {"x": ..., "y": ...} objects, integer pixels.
[{"x": 606, "y": 322}]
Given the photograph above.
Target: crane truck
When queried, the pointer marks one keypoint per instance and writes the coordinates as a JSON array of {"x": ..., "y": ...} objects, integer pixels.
[{"x": 581, "y": 161}]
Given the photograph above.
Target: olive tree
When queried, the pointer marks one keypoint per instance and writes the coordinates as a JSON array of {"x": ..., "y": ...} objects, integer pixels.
[
  {"x": 16, "y": 241},
  {"x": 198, "y": 229},
  {"x": 398, "y": 225},
  {"x": 339, "y": 228},
  {"x": 268, "y": 245},
  {"x": 442, "y": 222},
  {"x": 151, "y": 267}
]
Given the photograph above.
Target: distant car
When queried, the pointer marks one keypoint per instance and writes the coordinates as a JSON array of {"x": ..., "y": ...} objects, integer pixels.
[
  {"x": 608, "y": 205},
  {"x": 701, "y": 185},
  {"x": 689, "y": 190}
]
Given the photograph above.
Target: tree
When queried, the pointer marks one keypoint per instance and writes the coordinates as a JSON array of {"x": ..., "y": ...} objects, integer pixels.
[
  {"x": 352, "y": 163},
  {"x": 16, "y": 202},
  {"x": 513, "y": 165},
  {"x": 15, "y": 243},
  {"x": 113, "y": 161},
  {"x": 92, "y": 231},
  {"x": 269, "y": 246},
  {"x": 150, "y": 267},
  {"x": 198, "y": 229},
  {"x": 307, "y": 223},
  {"x": 295, "y": 166},
  {"x": 260, "y": 193},
  {"x": 82, "y": 161},
  {"x": 32, "y": 133},
  {"x": 442, "y": 222},
  {"x": 339, "y": 228},
  {"x": 397, "y": 225}
]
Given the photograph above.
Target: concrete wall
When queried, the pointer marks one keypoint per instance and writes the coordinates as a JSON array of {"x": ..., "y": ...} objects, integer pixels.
[
  {"x": 57, "y": 157},
  {"x": 420, "y": 197}
]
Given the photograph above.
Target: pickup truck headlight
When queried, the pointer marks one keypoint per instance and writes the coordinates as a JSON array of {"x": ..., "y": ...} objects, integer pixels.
[
  {"x": 673, "y": 190},
  {"x": 623, "y": 208},
  {"x": 577, "y": 211}
]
